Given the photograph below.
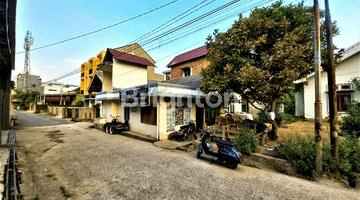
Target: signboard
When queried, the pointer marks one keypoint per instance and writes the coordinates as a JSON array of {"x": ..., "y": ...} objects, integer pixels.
[{"x": 137, "y": 96}]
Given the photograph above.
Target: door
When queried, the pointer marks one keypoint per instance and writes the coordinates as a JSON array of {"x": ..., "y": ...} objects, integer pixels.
[
  {"x": 127, "y": 113},
  {"x": 199, "y": 118}
]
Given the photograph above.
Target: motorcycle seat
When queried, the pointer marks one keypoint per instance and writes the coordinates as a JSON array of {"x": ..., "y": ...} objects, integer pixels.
[
  {"x": 224, "y": 143},
  {"x": 184, "y": 127}
]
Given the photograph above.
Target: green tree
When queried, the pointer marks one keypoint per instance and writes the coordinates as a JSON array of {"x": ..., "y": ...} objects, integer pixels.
[
  {"x": 261, "y": 56},
  {"x": 78, "y": 98},
  {"x": 25, "y": 98}
]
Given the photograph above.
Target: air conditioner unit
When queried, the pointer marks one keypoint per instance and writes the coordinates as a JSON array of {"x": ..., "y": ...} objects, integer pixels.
[
  {"x": 346, "y": 87},
  {"x": 343, "y": 87}
]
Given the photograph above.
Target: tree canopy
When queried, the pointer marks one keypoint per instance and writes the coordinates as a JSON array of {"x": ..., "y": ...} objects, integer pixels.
[
  {"x": 261, "y": 56},
  {"x": 25, "y": 97}
]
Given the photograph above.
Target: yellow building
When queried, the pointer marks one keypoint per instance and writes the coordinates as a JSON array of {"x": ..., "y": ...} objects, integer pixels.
[{"x": 88, "y": 70}]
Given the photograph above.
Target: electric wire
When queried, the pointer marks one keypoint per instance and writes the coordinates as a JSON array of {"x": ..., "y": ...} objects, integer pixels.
[
  {"x": 102, "y": 29},
  {"x": 144, "y": 36},
  {"x": 188, "y": 23},
  {"x": 148, "y": 42}
]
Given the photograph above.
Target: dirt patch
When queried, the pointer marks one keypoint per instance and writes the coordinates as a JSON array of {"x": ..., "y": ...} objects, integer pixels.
[
  {"x": 301, "y": 129},
  {"x": 55, "y": 136}
]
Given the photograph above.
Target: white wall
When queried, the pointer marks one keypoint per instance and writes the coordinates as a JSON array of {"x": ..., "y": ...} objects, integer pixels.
[
  {"x": 299, "y": 104},
  {"x": 52, "y": 88},
  {"x": 109, "y": 107},
  {"x": 127, "y": 75},
  {"x": 136, "y": 125},
  {"x": 347, "y": 69},
  {"x": 68, "y": 88}
]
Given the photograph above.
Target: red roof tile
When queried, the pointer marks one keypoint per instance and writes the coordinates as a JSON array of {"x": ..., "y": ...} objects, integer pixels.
[
  {"x": 130, "y": 58},
  {"x": 201, "y": 51}
]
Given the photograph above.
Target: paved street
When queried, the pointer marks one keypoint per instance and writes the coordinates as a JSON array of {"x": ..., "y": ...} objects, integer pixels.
[
  {"x": 91, "y": 164},
  {"x": 27, "y": 119}
]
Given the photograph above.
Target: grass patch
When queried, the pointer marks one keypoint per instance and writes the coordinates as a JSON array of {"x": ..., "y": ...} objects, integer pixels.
[
  {"x": 20, "y": 196},
  {"x": 288, "y": 118},
  {"x": 64, "y": 192}
]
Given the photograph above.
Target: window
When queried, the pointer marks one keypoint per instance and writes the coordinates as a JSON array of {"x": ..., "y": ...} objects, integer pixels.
[
  {"x": 33, "y": 85},
  {"x": 244, "y": 108},
  {"x": 52, "y": 90},
  {"x": 149, "y": 115},
  {"x": 186, "y": 71},
  {"x": 82, "y": 75},
  {"x": 343, "y": 100},
  {"x": 232, "y": 108},
  {"x": 90, "y": 71}
]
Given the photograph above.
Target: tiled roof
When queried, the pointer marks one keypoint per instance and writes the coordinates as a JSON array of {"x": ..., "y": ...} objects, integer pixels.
[
  {"x": 201, "y": 51},
  {"x": 130, "y": 58},
  {"x": 191, "y": 81}
]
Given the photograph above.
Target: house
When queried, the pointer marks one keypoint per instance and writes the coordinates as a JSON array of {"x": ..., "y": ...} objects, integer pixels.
[
  {"x": 190, "y": 64},
  {"x": 89, "y": 89},
  {"x": 7, "y": 54},
  {"x": 128, "y": 90},
  {"x": 56, "y": 88},
  {"x": 348, "y": 68},
  {"x": 34, "y": 82}
]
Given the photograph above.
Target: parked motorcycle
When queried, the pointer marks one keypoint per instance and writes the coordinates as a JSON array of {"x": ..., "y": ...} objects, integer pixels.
[
  {"x": 226, "y": 151},
  {"x": 186, "y": 131},
  {"x": 115, "y": 125}
]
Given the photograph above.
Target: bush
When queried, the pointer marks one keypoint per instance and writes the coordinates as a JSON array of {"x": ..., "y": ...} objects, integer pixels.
[
  {"x": 79, "y": 104},
  {"x": 246, "y": 141},
  {"x": 288, "y": 118},
  {"x": 351, "y": 123},
  {"x": 262, "y": 117},
  {"x": 327, "y": 159},
  {"x": 300, "y": 153},
  {"x": 349, "y": 154}
]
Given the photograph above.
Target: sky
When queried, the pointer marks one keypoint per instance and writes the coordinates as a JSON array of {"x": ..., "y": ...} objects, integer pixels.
[{"x": 54, "y": 21}]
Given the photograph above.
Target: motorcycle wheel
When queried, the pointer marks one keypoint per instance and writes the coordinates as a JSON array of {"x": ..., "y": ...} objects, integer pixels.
[
  {"x": 112, "y": 130},
  {"x": 232, "y": 164},
  {"x": 107, "y": 130}
]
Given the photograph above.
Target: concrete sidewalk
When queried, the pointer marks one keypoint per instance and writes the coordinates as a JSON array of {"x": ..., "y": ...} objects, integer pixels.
[{"x": 183, "y": 145}]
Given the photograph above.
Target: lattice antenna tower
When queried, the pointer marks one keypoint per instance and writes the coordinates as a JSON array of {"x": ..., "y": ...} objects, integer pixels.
[{"x": 29, "y": 40}]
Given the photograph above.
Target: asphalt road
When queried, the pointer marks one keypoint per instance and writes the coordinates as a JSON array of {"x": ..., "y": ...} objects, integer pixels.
[
  {"x": 90, "y": 164},
  {"x": 27, "y": 119}
]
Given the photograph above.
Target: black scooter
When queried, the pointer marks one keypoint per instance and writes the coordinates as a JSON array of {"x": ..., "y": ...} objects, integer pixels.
[
  {"x": 226, "y": 151},
  {"x": 186, "y": 131},
  {"x": 115, "y": 125}
]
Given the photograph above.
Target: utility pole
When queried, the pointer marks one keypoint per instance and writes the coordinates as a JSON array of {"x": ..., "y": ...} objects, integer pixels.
[
  {"x": 332, "y": 92},
  {"x": 29, "y": 40},
  {"x": 318, "y": 106}
]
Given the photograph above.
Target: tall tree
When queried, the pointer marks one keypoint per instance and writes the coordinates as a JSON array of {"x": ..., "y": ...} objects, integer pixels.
[{"x": 261, "y": 56}]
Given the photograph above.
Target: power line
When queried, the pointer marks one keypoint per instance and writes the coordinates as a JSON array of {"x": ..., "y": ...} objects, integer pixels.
[
  {"x": 148, "y": 41},
  {"x": 197, "y": 19},
  {"x": 102, "y": 29},
  {"x": 143, "y": 37},
  {"x": 191, "y": 21}
]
